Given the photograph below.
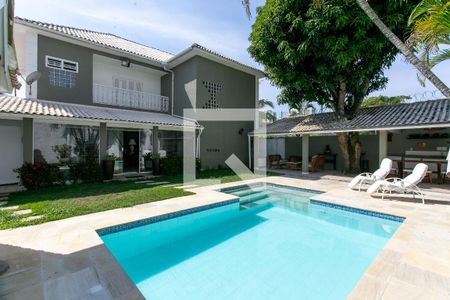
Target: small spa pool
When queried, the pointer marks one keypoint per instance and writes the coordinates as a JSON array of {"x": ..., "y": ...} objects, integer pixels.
[{"x": 275, "y": 243}]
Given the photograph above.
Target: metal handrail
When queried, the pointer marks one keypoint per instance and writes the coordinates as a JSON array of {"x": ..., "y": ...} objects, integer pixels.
[{"x": 114, "y": 96}]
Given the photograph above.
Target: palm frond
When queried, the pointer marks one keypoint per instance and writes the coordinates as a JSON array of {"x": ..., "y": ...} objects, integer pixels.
[
  {"x": 440, "y": 57},
  {"x": 264, "y": 102}
]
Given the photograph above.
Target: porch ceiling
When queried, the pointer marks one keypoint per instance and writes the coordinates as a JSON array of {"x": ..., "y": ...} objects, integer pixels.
[
  {"x": 433, "y": 113},
  {"x": 20, "y": 107}
]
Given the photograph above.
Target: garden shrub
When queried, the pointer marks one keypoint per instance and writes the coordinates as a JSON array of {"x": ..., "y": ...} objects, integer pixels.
[
  {"x": 88, "y": 171},
  {"x": 39, "y": 174},
  {"x": 173, "y": 165}
]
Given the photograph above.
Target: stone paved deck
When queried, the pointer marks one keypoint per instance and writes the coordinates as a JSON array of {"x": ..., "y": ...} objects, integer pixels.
[{"x": 66, "y": 259}]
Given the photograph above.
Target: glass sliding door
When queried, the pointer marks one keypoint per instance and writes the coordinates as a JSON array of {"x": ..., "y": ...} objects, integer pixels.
[
  {"x": 146, "y": 148},
  {"x": 115, "y": 147}
]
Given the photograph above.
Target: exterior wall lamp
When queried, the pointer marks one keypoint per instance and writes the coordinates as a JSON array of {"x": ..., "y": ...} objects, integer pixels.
[{"x": 125, "y": 62}]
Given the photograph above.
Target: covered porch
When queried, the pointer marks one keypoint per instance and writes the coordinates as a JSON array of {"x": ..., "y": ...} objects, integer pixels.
[
  {"x": 407, "y": 133},
  {"x": 55, "y": 132}
]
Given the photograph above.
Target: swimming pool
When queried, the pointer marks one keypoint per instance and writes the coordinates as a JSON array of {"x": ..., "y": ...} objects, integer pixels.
[{"x": 275, "y": 243}]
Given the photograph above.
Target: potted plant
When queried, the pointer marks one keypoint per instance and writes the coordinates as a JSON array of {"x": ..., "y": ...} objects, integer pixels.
[
  {"x": 63, "y": 153},
  {"x": 156, "y": 158},
  {"x": 147, "y": 160},
  {"x": 108, "y": 166}
]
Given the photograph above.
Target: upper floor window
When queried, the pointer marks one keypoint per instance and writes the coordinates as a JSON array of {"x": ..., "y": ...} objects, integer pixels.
[
  {"x": 61, "y": 64},
  {"x": 61, "y": 72}
]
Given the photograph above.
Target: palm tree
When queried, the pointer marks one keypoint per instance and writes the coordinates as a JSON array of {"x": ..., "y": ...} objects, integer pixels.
[
  {"x": 264, "y": 102},
  {"x": 270, "y": 115},
  {"x": 430, "y": 22},
  {"x": 405, "y": 50}
]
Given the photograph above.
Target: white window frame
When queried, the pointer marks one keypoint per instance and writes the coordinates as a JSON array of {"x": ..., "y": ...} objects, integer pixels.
[{"x": 47, "y": 57}]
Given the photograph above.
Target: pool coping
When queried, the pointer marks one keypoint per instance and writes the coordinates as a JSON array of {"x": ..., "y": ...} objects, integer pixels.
[{"x": 413, "y": 263}]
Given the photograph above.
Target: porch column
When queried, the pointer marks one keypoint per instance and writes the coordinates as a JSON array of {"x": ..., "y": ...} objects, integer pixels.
[
  {"x": 103, "y": 147},
  {"x": 27, "y": 140},
  {"x": 305, "y": 153},
  {"x": 155, "y": 136},
  {"x": 382, "y": 145},
  {"x": 249, "y": 152}
]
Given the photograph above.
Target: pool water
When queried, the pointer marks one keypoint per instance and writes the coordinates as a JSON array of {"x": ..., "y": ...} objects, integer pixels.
[{"x": 274, "y": 244}]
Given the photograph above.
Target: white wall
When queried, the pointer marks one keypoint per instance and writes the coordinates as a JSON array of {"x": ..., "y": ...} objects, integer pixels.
[
  {"x": 105, "y": 69},
  {"x": 25, "y": 40},
  {"x": 276, "y": 146},
  {"x": 11, "y": 150}
]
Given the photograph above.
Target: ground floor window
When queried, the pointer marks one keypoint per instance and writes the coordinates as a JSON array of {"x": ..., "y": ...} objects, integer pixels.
[
  {"x": 60, "y": 143},
  {"x": 171, "y": 143}
]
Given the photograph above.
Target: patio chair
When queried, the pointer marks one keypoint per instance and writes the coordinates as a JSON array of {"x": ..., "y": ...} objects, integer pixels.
[
  {"x": 407, "y": 185},
  {"x": 370, "y": 178},
  {"x": 317, "y": 163},
  {"x": 274, "y": 160}
]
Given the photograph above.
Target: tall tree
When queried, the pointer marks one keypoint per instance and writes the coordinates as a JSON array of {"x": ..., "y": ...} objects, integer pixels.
[
  {"x": 330, "y": 54},
  {"x": 404, "y": 49},
  {"x": 393, "y": 38}
]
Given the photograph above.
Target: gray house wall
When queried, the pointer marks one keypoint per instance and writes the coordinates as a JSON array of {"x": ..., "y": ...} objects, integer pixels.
[
  {"x": 185, "y": 85},
  {"x": 238, "y": 91},
  {"x": 219, "y": 139},
  {"x": 82, "y": 92}
]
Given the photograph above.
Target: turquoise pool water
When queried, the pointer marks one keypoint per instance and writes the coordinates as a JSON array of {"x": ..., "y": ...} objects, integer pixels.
[{"x": 273, "y": 244}]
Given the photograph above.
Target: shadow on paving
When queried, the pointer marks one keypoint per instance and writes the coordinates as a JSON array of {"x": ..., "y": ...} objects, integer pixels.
[{"x": 87, "y": 274}]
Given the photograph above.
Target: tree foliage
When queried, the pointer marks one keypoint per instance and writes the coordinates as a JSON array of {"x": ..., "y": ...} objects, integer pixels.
[
  {"x": 384, "y": 100},
  {"x": 430, "y": 21},
  {"x": 327, "y": 52},
  {"x": 317, "y": 53}
]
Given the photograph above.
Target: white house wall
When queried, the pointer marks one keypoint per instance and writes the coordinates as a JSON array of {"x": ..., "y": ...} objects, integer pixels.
[
  {"x": 26, "y": 43},
  {"x": 105, "y": 69},
  {"x": 11, "y": 150}
]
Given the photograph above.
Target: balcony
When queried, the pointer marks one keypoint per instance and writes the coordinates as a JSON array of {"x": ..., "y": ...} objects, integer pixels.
[{"x": 110, "y": 95}]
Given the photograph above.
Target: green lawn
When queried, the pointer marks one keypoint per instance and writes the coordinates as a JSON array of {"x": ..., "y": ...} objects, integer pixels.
[{"x": 60, "y": 202}]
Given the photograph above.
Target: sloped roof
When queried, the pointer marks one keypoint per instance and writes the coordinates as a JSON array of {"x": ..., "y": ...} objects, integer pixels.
[
  {"x": 118, "y": 43},
  {"x": 201, "y": 50},
  {"x": 416, "y": 114},
  {"x": 43, "y": 108},
  {"x": 102, "y": 39}
]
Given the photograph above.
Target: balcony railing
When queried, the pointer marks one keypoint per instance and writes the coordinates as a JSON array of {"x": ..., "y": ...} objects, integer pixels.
[{"x": 110, "y": 95}]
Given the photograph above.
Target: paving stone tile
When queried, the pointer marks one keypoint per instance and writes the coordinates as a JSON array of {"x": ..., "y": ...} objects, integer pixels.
[
  {"x": 397, "y": 290},
  {"x": 369, "y": 288},
  {"x": 13, "y": 207},
  {"x": 31, "y": 218},
  {"x": 22, "y": 212}
]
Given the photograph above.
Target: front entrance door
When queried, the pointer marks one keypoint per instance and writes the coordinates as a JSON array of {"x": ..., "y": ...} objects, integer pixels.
[{"x": 130, "y": 151}]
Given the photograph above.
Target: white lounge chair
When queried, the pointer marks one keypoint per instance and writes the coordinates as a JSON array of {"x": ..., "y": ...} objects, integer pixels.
[
  {"x": 407, "y": 185},
  {"x": 370, "y": 178}
]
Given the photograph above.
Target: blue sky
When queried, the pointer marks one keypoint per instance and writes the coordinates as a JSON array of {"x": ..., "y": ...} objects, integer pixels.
[{"x": 173, "y": 25}]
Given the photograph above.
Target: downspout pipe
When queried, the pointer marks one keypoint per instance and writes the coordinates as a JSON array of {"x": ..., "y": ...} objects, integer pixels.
[{"x": 173, "y": 87}]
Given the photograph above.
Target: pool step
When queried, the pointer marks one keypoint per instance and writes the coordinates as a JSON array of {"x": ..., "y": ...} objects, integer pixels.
[
  {"x": 245, "y": 193},
  {"x": 254, "y": 197},
  {"x": 254, "y": 207}
]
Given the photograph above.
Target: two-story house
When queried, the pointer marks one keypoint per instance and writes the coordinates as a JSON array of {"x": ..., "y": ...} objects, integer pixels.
[{"x": 93, "y": 94}]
